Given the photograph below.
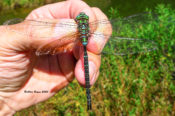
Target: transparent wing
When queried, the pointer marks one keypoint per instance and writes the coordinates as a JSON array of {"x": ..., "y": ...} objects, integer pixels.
[
  {"x": 42, "y": 28},
  {"x": 127, "y": 33},
  {"x": 133, "y": 20},
  {"x": 63, "y": 44},
  {"x": 62, "y": 37},
  {"x": 125, "y": 46}
]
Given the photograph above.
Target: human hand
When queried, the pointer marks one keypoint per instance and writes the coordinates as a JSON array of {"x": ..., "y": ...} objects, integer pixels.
[{"x": 23, "y": 73}]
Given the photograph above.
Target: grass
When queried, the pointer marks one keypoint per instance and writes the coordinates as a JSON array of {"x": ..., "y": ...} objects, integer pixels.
[{"x": 139, "y": 84}]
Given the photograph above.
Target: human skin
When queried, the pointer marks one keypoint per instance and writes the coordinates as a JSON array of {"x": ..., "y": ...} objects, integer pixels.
[{"x": 21, "y": 70}]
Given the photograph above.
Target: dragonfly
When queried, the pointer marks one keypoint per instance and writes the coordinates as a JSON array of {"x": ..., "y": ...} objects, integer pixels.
[{"x": 81, "y": 31}]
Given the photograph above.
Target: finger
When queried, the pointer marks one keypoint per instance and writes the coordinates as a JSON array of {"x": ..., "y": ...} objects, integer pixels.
[
  {"x": 67, "y": 65},
  {"x": 96, "y": 43},
  {"x": 66, "y": 9},
  {"x": 94, "y": 64}
]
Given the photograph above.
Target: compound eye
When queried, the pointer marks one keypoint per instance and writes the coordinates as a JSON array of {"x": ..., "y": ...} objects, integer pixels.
[
  {"x": 78, "y": 17},
  {"x": 87, "y": 17}
]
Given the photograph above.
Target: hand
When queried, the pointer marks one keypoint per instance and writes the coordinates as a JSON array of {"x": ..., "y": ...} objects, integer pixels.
[{"x": 22, "y": 73}]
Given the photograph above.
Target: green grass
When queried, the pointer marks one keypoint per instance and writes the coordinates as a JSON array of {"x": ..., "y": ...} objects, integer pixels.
[{"x": 139, "y": 84}]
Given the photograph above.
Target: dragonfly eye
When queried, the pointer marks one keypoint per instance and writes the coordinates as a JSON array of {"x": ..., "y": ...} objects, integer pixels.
[
  {"x": 78, "y": 17},
  {"x": 86, "y": 17}
]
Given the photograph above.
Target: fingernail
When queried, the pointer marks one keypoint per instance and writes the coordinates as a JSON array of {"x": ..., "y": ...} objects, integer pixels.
[{"x": 92, "y": 71}]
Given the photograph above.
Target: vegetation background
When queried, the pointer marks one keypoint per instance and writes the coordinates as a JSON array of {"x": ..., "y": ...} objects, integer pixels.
[{"x": 140, "y": 84}]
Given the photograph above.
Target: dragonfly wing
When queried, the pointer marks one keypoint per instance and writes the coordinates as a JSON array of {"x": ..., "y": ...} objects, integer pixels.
[
  {"x": 63, "y": 44},
  {"x": 119, "y": 24},
  {"x": 42, "y": 28},
  {"x": 125, "y": 33},
  {"x": 125, "y": 46}
]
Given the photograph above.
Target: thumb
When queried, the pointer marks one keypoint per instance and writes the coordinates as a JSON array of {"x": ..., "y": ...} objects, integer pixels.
[{"x": 33, "y": 34}]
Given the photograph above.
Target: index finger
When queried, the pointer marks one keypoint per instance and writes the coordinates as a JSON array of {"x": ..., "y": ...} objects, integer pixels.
[{"x": 66, "y": 9}]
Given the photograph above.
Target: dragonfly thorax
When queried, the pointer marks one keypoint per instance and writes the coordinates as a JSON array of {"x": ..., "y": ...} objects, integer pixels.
[{"x": 83, "y": 27}]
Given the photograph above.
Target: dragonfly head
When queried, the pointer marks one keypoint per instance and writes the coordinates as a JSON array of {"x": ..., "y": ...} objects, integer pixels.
[{"x": 82, "y": 15}]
